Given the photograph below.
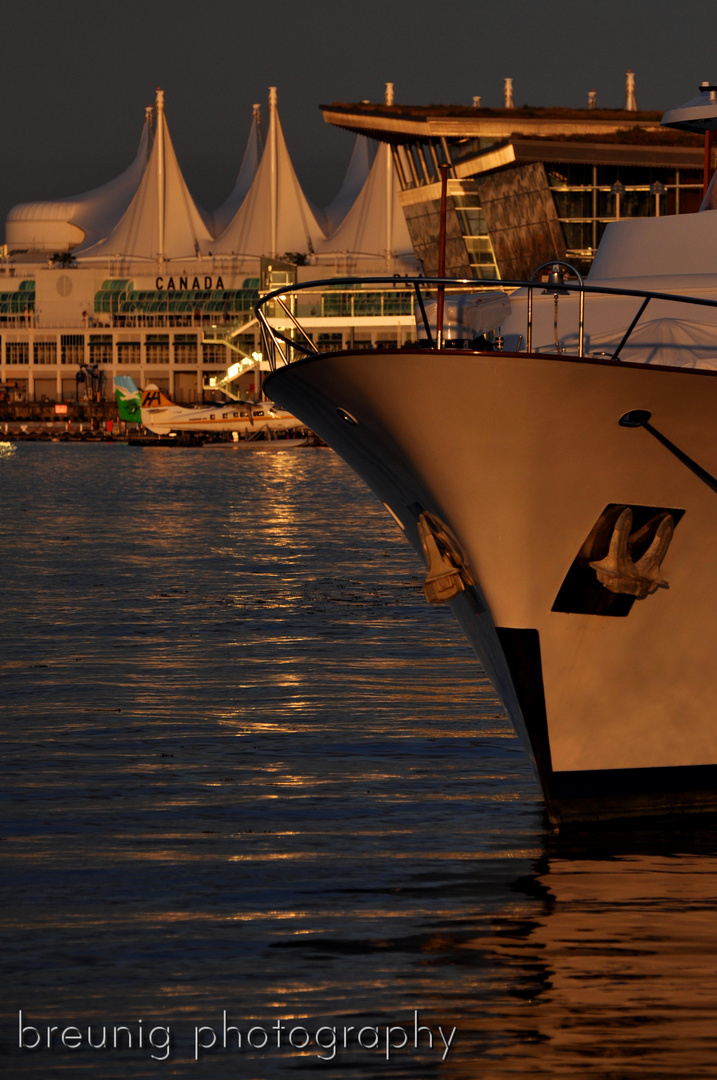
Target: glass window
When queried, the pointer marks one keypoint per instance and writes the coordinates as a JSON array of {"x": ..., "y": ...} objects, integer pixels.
[
  {"x": 605, "y": 203},
  {"x": 479, "y": 249},
  {"x": 45, "y": 352},
  {"x": 72, "y": 348},
  {"x": 100, "y": 348},
  {"x": 157, "y": 349},
  {"x": 585, "y": 201},
  {"x": 17, "y": 352},
  {"x": 484, "y": 271},
  {"x": 330, "y": 342},
  {"x": 637, "y": 204},
  {"x": 574, "y": 204},
  {"x": 247, "y": 343},
  {"x": 128, "y": 352},
  {"x": 186, "y": 350},
  {"x": 214, "y": 354},
  {"x": 578, "y": 235},
  {"x": 368, "y": 303},
  {"x": 472, "y": 221},
  {"x": 335, "y": 303},
  {"x": 398, "y": 303}
]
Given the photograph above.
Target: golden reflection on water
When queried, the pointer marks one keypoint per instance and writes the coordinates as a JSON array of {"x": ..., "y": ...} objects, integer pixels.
[
  {"x": 617, "y": 977},
  {"x": 281, "y": 785}
]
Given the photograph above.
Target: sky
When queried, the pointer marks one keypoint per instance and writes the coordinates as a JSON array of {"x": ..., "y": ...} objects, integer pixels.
[{"x": 76, "y": 76}]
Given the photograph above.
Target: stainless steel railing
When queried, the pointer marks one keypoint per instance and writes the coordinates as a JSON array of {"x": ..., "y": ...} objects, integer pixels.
[{"x": 282, "y": 347}]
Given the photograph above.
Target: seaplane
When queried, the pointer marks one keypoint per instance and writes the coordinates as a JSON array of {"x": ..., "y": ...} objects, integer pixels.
[{"x": 152, "y": 408}]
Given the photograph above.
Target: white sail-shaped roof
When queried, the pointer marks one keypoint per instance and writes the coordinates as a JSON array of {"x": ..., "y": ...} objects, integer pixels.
[
  {"x": 247, "y": 172},
  {"x": 275, "y": 217},
  {"x": 162, "y": 221},
  {"x": 356, "y": 176},
  {"x": 63, "y": 224},
  {"x": 374, "y": 233}
]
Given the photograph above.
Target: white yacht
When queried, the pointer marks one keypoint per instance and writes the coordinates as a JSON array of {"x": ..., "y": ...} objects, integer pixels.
[{"x": 551, "y": 453}]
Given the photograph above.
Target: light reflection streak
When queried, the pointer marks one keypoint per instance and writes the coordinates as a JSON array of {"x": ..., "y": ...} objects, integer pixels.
[{"x": 286, "y": 691}]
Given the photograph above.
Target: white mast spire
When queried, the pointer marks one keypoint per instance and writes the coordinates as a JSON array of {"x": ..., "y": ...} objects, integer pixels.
[
  {"x": 389, "y": 99},
  {"x": 249, "y": 165},
  {"x": 389, "y": 208},
  {"x": 275, "y": 216},
  {"x": 162, "y": 221},
  {"x": 160, "y": 175},
  {"x": 273, "y": 171}
]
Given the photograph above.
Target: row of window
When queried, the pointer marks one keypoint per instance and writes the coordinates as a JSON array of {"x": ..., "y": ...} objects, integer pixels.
[
  {"x": 20, "y": 302},
  {"x": 587, "y": 198},
  {"x": 175, "y": 301},
  {"x": 215, "y": 355},
  {"x": 71, "y": 350},
  {"x": 347, "y": 303},
  {"x": 17, "y": 303},
  {"x": 475, "y": 235}
]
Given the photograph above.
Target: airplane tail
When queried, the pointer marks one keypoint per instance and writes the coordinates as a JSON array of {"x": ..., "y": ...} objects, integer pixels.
[
  {"x": 154, "y": 398},
  {"x": 129, "y": 399}
]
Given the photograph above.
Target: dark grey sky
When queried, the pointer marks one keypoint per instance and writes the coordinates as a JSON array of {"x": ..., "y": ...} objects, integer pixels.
[{"x": 76, "y": 75}]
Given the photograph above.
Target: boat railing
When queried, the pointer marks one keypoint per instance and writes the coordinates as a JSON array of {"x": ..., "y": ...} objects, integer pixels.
[{"x": 285, "y": 340}]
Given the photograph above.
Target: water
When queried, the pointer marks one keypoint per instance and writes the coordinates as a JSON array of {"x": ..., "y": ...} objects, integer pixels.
[{"x": 247, "y": 768}]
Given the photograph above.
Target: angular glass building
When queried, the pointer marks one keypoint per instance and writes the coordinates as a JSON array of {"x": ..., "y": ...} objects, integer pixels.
[{"x": 527, "y": 184}]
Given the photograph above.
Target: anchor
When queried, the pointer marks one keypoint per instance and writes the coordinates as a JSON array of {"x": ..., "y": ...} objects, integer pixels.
[
  {"x": 617, "y": 571},
  {"x": 444, "y": 579}
]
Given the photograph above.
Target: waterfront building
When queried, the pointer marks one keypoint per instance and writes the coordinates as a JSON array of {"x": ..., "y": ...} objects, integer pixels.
[
  {"x": 135, "y": 278},
  {"x": 528, "y": 184}
]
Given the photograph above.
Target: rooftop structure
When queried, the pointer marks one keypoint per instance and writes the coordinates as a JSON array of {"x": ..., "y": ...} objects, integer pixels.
[
  {"x": 68, "y": 223},
  {"x": 162, "y": 222},
  {"x": 136, "y": 278},
  {"x": 249, "y": 165},
  {"x": 527, "y": 184}
]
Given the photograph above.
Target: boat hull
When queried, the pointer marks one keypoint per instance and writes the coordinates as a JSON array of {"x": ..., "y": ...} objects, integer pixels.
[{"x": 521, "y": 457}]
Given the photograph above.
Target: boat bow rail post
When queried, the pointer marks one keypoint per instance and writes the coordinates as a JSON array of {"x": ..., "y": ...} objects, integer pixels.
[
  {"x": 281, "y": 349},
  {"x": 556, "y": 281}
]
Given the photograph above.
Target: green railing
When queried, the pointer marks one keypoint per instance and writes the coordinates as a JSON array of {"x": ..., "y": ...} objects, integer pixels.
[{"x": 357, "y": 303}]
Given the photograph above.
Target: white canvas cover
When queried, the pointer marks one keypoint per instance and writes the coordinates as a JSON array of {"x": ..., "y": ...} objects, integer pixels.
[
  {"x": 465, "y": 315},
  {"x": 356, "y": 176},
  {"x": 672, "y": 342},
  {"x": 64, "y": 224},
  {"x": 275, "y": 218},
  {"x": 247, "y": 172},
  {"x": 374, "y": 236},
  {"x": 162, "y": 221}
]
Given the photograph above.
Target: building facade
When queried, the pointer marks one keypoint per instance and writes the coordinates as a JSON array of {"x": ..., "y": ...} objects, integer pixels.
[
  {"x": 526, "y": 185},
  {"x": 135, "y": 279}
]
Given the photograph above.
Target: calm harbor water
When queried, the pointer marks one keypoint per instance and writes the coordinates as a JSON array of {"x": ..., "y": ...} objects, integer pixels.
[{"x": 246, "y": 769}]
